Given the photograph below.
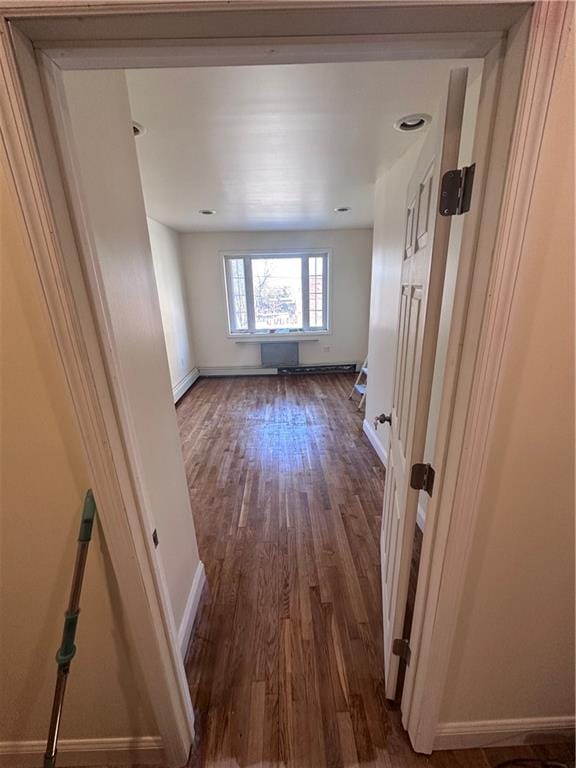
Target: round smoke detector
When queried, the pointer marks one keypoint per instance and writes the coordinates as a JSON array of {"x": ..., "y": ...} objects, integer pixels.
[{"x": 410, "y": 123}]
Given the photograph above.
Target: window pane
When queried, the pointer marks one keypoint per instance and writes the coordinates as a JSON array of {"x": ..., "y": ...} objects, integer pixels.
[
  {"x": 238, "y": 310},
  {"x": 316, "y": 289},
  {"x": 277, "y": 293}
]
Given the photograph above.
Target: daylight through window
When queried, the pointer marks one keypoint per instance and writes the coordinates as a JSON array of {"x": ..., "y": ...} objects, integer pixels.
[{"x": 277, "y": 292}]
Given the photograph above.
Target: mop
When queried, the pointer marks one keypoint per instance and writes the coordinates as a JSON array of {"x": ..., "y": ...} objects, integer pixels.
[{"x": 67, "y": 649}]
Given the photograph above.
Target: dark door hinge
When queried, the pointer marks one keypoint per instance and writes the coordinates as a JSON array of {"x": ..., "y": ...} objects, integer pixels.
[
  {"x": 155, "y": 537},
  {"x": 456, "y": 191},
  {"x": 422, "y": 478},
  {"x": 401, "y": 647}
]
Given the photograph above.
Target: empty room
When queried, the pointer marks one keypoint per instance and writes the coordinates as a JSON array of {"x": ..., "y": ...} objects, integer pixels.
[
  {"x": 272, "y": 194},
  {"x": 259, "y": 187}
]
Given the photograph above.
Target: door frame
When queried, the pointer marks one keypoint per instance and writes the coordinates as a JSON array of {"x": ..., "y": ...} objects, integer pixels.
[
  {"x": 482, "y": 305},
  {"x": 461, "y": 450}
]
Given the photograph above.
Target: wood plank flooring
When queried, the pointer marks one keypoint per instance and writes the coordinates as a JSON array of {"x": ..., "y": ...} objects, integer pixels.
[{"x": 285, "y": 663}]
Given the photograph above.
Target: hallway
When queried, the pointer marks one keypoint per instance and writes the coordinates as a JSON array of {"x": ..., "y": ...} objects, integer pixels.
[{"x": 285, "y": 663}]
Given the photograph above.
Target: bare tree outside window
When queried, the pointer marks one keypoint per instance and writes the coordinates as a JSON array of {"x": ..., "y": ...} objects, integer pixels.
[{"x": 277, "y": 293}]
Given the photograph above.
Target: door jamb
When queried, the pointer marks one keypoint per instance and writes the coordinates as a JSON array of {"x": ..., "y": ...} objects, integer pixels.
[
  {"x": 456, "y": 508},
  {"x": 102, "y": 435},
  {"x": 53, "y": 240}
]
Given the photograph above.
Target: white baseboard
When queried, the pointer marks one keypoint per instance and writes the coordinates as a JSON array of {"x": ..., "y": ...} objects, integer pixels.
[
  {"x": 191, "y": 609},
  {"x": 370, "y": 433},
  {"x": 184, "y": 384},
  {"x": 79, "y": 752},
  {"x": 502, "y": 733},
  {"x": 239, "y": 370}
]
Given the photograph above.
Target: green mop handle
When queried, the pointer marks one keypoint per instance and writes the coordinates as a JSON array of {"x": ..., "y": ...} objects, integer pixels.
[{"x": 67, "y": 649}]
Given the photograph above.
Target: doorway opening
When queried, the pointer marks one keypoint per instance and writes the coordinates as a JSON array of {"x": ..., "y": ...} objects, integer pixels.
[
  {"x": 267, "y": 194},
  {"x": 96, "y": 216}
]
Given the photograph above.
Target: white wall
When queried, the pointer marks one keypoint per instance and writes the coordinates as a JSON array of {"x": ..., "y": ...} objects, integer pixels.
[
  {"x": 350, "y": 294},
  {"x": 165, "y": 245},
  {"x": 513, "y": 654},
  {"x": 44, "y": 479},
  {"x": 108, "y": 170}
]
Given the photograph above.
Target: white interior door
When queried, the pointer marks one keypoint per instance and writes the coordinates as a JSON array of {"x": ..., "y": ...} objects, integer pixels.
[{"x": 424, "y": 259}]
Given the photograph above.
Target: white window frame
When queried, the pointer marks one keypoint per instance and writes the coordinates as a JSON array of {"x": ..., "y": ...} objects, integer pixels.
[{"x": 248, "y": 257}]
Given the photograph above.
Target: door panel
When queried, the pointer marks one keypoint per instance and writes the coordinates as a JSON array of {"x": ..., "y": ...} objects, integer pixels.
[
  {"x": 424, "y": 209},
  {"x": 425, "y": 250}
]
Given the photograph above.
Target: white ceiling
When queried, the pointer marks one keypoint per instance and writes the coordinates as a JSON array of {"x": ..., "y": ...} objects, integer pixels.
[{"x": 274, "y": 147}]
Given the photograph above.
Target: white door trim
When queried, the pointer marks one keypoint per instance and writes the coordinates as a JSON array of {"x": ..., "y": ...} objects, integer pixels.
[
  {"x": 80, "y": 334},
  {"x": 54, "y": 245},
  {"x": 455, "y": 510},
  {"x": 190, "y": 53}
]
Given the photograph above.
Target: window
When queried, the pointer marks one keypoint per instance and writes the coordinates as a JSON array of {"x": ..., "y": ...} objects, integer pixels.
[{"x": 271, "y": 292}]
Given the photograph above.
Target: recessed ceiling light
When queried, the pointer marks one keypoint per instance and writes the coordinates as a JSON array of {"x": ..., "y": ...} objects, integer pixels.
[
  {"x": 342, "y": 209},
  {"x": 137, "y": 129},
  {"x": 206, "y": 212},
  {"x": 412, "y": 122}
]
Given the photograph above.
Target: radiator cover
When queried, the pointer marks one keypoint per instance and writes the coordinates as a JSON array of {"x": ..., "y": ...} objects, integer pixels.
[{"x": 274, "y": 354}]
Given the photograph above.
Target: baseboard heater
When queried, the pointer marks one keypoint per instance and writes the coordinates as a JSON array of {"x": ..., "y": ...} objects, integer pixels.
[{"x": 295, "y": 369}]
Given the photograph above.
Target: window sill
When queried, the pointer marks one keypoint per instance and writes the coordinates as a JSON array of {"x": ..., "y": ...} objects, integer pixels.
[{"x": 247, "y": 338}]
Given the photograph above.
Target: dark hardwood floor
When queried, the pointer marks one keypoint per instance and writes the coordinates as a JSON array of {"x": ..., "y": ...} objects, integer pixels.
[{"x": 285, "y": 663}]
